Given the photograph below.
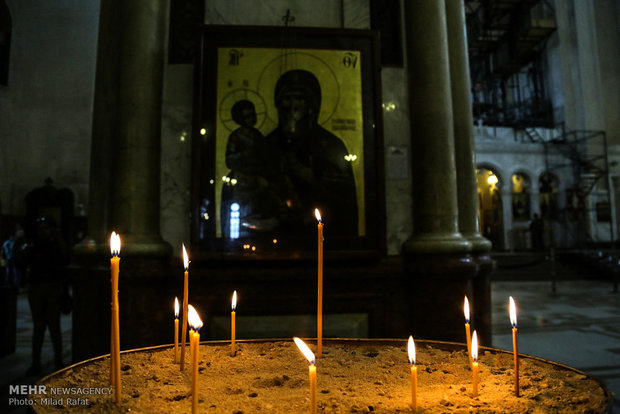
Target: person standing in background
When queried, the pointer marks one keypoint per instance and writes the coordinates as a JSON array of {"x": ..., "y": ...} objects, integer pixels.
[
  {"x": 8, "y": 262},
  {"x": 46, "y": 259},
  {"x": 11, "y": 254}
]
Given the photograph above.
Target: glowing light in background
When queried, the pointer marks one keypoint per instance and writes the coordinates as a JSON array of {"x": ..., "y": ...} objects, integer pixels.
[
  {"x": 229, "y": 181},
  {"x": 234, "y": 220},
  {"x": 390, "y": 106}
]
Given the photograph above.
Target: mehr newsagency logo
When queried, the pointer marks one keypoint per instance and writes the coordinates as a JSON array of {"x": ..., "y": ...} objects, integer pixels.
[{"x": 29, "y": 395}]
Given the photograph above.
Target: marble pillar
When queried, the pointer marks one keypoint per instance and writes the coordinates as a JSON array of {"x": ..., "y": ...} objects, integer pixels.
[
  {"x": 463, "y": 127},
  {"x": 435, "y": 210},
  {"x": 103, "y": 137},
  {"x": 462, "y": 113},
  {"x": 135, "y": 208},
  {"x": 438, "y": 264},
  {"x": 126, "y": 139},
  {"x": 125, "y": 184},
  {"x": 507, "y": 225}
]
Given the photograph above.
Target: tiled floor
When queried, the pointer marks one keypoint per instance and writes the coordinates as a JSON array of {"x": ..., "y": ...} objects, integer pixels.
[
  {"x": 578, "y": 325},
  {"x": 13, "y": 367}
]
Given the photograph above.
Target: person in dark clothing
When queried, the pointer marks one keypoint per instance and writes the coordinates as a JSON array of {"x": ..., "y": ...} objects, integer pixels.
[
  {"x": 311, "y": 159},
  {"x": 46, "y": 260},
  {"x": 12, "y": 252},
  {"x": 6, "y": 254}
]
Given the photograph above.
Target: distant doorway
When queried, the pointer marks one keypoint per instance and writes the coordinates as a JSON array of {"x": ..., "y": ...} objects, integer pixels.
[
  {"x": 520, "y": 197},
  {"x": 490, "y": 215}
]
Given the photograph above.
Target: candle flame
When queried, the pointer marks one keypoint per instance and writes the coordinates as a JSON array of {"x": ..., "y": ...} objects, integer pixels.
[
  {"x": 176, "y": 308},
  {"x": 185, "y": 258},
  {"x": 411, "y": 350},
  {"x": 317, "y": 214},
  {"x": 234, "y": 301},
  {"x": 513, "y": 312},
  {"x": 305, "y": 350},
  {"x": 466, "y": 309},
  {"x": 193, "y": 319},
  {"x": 474, "y": 346},
  {"x": 115, "y": 244}
]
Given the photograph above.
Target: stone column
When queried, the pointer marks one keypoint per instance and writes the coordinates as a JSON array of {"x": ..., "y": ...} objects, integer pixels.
[
  {"x": 463, "y": 126},
  {"x": 534, "y": 200},
  {"x": 506, "y": 212},
  {"x": 435, "y": 211},
  {"x": 125, "y": 183},
  {"x": 136, "y": 185},
  {"x": 126, "y": 140},
  {"x": 103, "y": 132},
  {"x": 467, "y": 191},
  {"x": 438, "y": 265}
]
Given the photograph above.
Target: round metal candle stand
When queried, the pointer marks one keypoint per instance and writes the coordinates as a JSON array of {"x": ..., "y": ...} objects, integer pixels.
[{"x": 443, "y": 345}]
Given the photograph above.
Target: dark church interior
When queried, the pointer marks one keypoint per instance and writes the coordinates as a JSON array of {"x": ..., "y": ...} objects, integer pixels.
[{"x": 410, "y": 152}]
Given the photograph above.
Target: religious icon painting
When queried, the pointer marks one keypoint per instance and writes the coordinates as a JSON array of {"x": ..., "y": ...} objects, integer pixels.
[{"x": 286, "y": 121}]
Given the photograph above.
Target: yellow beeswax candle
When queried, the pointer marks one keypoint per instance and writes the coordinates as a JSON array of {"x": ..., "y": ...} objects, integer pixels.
[
  {"x": 513, "y": 321},
  {"x": 115, "y": 357},
  {"x": 195, "y": 324},
  {"x": 311, "y": 371},
  {"x": 474, "y": 367},
  {"x": 185, "y": 298},
  {"x": 232, "y": 324},
  {"x": 319, "y": 311},
  {"x": 414, "y": 373},
  {"x": 467, "y": 329},
  {"x": 176, "y": 330}
]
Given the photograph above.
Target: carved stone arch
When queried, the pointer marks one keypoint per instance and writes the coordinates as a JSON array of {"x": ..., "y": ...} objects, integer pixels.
[
  {"x": 497, "y": 170},
  {"x": 490, "y": 181}
]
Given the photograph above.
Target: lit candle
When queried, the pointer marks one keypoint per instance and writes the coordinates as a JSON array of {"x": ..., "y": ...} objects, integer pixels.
[
  {"x": 185, "y": 288},
  {"x": 414, "y": 373},
  {"x": 319, "y": 310},
  {"x": 191, "y": 343},
  {"x": 115, "y": 355},
  {"x": 232, "y": 323},
  {"x": 114, "y": 270},
  {"x": 176, "y": 329},
  {"x": 196, "y": 324},
  {"x": 513, "y": 322},
  {"x": 467, "y": 329},
  {"x": 474, "y": 365},
  {"x": 311, "y": 369}
]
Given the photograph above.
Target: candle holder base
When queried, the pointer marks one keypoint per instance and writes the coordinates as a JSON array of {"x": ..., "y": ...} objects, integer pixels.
[{"x": 271, "y": 376}]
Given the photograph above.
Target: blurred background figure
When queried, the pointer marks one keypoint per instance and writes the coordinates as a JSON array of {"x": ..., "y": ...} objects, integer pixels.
[
  {"x": 537, "y": 227},
  {"x": 46, "y": 259},
  {"x": 11, "y": 254}
]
